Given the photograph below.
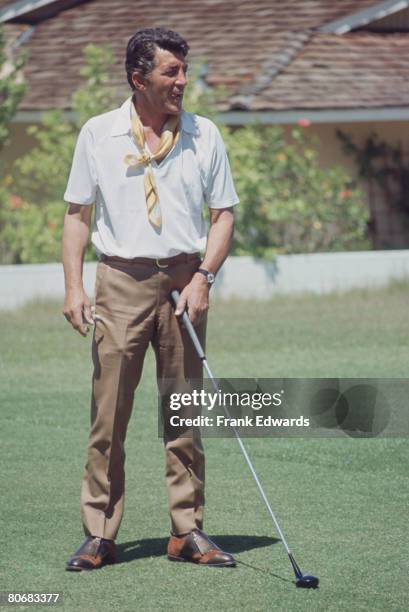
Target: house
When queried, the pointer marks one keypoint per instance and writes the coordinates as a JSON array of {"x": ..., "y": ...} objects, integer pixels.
[{"x": 333, "y": 65}]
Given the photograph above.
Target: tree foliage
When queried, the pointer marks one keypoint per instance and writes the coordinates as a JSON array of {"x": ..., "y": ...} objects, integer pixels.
[
  {"x": 95, "y": 96},
  {"x": 12, "y": 89},
  {"x": 36, "y": 208}
]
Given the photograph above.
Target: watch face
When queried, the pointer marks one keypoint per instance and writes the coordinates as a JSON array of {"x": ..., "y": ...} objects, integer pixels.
[{"x": 210, "y": 278}]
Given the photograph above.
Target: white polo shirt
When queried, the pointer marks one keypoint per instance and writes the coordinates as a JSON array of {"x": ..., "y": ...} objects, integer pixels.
[{"x": 196, "y": 171}]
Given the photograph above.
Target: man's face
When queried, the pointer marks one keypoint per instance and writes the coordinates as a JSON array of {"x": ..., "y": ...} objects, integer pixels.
[{"x": 165, "y": 84}]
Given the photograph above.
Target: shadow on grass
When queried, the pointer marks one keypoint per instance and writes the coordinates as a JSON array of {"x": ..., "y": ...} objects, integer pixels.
[{"x": 156, "y": 547}]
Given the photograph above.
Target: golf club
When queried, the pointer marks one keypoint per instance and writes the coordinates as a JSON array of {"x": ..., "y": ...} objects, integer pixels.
[{"x": 302, "y": 581}]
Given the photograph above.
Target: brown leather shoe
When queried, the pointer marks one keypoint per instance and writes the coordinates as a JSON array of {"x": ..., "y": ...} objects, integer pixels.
[
  {"x": 92, "y": 554},
  {"x": 196, "y": 547}
]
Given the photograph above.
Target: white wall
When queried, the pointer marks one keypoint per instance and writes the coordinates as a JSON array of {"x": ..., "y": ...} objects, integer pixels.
[
  {"x": 240, "y": 277},
  {"x": 317, "y": 273}
]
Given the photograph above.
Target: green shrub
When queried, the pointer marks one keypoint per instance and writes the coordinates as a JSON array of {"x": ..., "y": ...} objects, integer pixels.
[
  {"x": 30, "y": 232},
  {"x": 288, "y": 203}
]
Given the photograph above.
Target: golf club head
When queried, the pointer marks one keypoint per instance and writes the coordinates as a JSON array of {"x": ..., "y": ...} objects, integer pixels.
[{"x": 307, "y": 582}]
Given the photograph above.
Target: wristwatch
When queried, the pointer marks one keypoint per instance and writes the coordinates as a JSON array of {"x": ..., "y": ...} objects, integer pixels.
[{"x": 209, "y": 275}]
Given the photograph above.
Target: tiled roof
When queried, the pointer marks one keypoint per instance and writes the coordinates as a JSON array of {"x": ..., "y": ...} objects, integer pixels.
[
  {"x": 359, "y": 70},
  {"x": 265, "y": 52}
]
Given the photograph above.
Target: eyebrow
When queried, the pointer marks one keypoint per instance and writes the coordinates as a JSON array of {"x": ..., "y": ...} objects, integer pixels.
[{"x": 171, "y": 66}]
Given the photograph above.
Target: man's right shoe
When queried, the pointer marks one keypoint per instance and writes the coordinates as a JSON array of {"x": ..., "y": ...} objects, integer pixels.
[{"x": 92, "y": 554}]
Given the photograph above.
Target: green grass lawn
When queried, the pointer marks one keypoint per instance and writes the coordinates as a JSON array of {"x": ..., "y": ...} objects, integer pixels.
[{"x": 343, "y": 503}]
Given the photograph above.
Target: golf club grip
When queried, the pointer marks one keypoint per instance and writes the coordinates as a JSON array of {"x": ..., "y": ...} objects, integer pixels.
[{"x": 188, "y": 324}]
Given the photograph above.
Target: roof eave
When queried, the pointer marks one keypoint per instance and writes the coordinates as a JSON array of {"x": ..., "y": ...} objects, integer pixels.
[
  {"x": 291, "y": 116},
  {"x": 33, "y": 11},
  {"x": 336, "y": 115},
  {"x": 362, "y": 18}
]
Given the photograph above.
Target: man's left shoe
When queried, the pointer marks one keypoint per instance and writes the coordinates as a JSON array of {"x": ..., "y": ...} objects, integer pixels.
[{"x": 196, "y": 547}]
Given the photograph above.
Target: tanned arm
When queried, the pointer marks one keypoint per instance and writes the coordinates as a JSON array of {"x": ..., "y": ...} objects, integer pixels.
[
  {"x": 195, "y": 295},
  {"x": 77, "y": 307}
]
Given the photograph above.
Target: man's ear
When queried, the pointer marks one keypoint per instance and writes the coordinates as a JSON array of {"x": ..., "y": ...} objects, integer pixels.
[{"x": 138, "y": 81}]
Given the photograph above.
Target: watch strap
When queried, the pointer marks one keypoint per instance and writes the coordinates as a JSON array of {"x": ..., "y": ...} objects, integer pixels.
[{"x": 209, "y": 275}]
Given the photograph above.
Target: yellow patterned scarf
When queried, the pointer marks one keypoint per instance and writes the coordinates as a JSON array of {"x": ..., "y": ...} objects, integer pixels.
[{"x": 169, "y": 138}]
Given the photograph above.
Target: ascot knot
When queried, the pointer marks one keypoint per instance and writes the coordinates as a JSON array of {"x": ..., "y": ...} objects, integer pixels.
[
  {"x": 138, "y": 160},
  {"x": 145, "y": 159}
]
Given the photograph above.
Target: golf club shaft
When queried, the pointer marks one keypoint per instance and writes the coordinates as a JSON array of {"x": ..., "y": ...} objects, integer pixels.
[{"x": 192, "y": 333}]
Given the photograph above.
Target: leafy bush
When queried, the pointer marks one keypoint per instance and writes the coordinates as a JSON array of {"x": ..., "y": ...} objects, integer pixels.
[
  {"x": 32, "y": 233},
  {"x": 288, "y": 203}
]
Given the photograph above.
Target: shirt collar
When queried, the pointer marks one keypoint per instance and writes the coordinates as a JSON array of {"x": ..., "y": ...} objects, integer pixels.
[{"x": 122, "y": 121}]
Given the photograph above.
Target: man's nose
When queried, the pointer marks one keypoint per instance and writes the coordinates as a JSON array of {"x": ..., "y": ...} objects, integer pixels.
[{"x": 181, "y": 79}]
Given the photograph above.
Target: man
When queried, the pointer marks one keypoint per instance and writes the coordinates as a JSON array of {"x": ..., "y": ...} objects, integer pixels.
[{"x": 148, "y": 167}]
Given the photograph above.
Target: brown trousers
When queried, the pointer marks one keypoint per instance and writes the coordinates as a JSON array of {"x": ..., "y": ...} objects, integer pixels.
[{"x": 133, "y": 301}]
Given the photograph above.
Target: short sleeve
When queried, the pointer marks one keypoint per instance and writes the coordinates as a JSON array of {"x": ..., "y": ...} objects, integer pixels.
[
  {"x": 82, "y": 182},
  {"x": 219, "y": 190}
]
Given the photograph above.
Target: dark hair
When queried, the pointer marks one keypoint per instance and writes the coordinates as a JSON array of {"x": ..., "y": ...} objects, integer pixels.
[{"x": 141, "y": 48}]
